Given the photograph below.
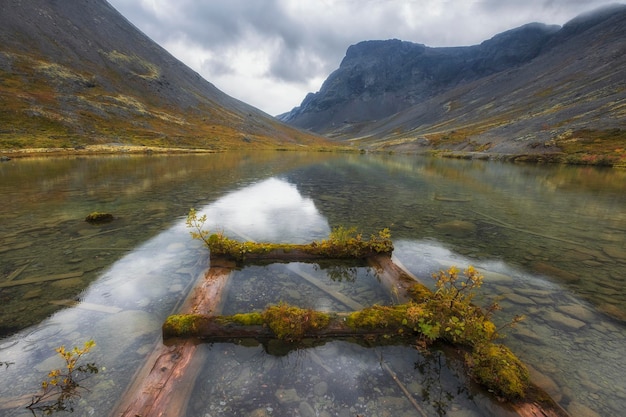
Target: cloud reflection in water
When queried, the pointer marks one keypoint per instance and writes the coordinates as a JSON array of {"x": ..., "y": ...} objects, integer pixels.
[{"x": 271, "y": 210}]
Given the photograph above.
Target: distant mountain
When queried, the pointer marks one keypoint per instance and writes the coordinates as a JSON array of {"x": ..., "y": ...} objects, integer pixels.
[
  {"x": 76, "y": 72},
  {"x": 534, "y": 89}
]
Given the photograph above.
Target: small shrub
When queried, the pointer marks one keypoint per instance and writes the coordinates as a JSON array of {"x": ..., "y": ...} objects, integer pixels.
[{"x": 63, "y": 385}]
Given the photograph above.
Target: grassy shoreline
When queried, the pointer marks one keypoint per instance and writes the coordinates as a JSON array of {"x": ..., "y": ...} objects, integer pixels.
[{"x": 112, "y": 149}]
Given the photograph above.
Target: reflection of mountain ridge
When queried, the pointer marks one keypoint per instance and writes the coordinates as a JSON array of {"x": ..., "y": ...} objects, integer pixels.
[{"x": 509, "y": 212}]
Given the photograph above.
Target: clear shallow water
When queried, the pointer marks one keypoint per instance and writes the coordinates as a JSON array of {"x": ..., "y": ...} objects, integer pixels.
[{"x": 551, "y": 241}]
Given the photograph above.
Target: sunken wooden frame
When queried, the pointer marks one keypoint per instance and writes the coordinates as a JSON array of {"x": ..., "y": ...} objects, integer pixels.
[{"x": 163, "y": 386}]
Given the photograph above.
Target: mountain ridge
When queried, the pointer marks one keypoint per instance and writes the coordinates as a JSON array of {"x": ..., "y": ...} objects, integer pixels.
[
  {"x": 559, "y": 92},
  {"x": 74, "y": 73}
]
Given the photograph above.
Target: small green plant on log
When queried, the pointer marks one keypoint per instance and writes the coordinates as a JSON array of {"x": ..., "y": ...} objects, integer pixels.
[
  {"x": 196, "y": 224},
  {"x": 349, "y": 243},
  {"x": 62, "y": 386},
  {"x": 461, "y": 322}
]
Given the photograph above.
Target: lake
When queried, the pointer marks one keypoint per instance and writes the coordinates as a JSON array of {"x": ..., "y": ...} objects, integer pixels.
[{"x": 550, "y": 241}]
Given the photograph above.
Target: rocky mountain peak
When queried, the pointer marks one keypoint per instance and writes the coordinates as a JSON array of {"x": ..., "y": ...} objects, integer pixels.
[{"x": 521, "y": 88}]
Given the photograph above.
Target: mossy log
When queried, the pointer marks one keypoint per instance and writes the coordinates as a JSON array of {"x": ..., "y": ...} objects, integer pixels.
[
  {"x": 348, "y": 246},
  {"x": 253, "y": 325},
  {"x": 301, "y": 328}
]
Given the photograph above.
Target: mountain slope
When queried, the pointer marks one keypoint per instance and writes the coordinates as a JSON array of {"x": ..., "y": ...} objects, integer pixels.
[
  {"x": 535, "y": 89},
  {"x": 77, "y": 72},
  {"x": 380, "y": 78}
]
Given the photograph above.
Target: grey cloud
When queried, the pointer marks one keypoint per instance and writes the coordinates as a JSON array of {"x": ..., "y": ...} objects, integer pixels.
[{"x": 302, "y": 47}]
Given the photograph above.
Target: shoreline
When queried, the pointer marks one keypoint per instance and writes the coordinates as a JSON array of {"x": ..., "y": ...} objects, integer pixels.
[
  {"x": 122, "y": 149},
  {"x": 95, "y": 150}
]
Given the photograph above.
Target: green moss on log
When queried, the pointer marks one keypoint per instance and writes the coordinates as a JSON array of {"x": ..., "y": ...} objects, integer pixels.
[
  {"x": 291, "y": 323},
  {"x": 495, "y": 367},
  {"x": 248, "y": 319},
  {"x": 183, "y": 325},
  {"x": 376, "y": 317}
]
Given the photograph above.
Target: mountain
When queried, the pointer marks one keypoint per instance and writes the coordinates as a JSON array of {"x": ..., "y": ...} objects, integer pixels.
[
  {"x": 533, "y": 89},
  {"x": 76, "y": 72}
]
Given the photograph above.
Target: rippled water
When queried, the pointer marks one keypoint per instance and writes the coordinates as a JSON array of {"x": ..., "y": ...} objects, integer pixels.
[{"x": 550, "y": 240}]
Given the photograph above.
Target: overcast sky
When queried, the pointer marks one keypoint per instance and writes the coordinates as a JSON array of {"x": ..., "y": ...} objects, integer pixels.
[{"x": 271, "y": 53}]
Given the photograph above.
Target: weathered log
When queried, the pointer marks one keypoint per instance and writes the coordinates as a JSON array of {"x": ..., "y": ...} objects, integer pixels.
[
  {"x": 156, "y": 388},
  {"x": 244, "y": 328},
  {"x": 398, "y": 281},
  {"x": 290, "y": 253},
  {"x": 232, "y": 328}
]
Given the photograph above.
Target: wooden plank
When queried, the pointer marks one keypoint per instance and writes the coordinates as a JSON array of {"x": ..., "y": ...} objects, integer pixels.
[{"x": 35, "y": 280}]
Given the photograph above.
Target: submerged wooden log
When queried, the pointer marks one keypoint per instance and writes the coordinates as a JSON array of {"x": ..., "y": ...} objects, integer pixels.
[
  {"x": 253, "y": 325},
  {"x": 343, "y": 244},
  {"x": 163, "y": 386}
]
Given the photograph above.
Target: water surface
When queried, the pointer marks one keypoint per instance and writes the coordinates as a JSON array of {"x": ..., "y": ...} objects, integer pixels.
[{"x": 550, "y": 240}]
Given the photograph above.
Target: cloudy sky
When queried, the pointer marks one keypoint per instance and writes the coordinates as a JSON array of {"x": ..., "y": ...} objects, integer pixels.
[{"x": 271, "y": 53}]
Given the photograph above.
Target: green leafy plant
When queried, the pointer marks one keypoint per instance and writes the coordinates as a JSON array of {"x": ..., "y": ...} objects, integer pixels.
[
  {"x": 62, "y": 386},
  {"x": 196, "y": 224}
]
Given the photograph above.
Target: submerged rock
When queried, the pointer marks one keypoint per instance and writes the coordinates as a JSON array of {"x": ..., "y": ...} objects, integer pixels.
[
  {"x": 285, "y": 396},
  {"x": 126, "y": 328},
  {"x": 564, "y": 322},
  {"x": 519, "y": 299},
  {"x": 580, "y": 410},
  {"x": 306, "y": 410},
  {"x": 97, "y": 218},
  {"x": 546, "y": 383},
  {"x": 578, "y": 312}
]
